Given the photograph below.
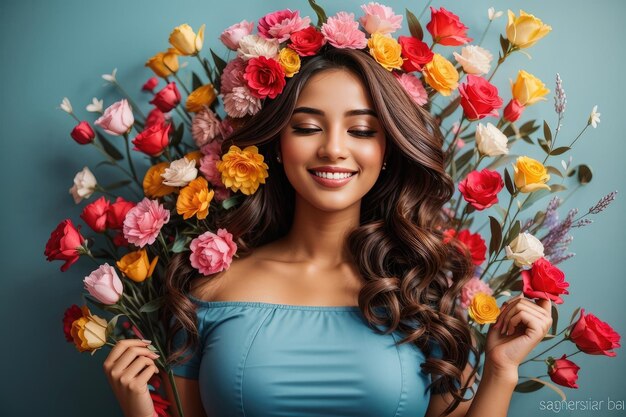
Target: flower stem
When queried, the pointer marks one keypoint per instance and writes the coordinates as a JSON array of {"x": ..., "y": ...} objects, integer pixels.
[
  {"x": 548, "y": 349},
  {"x": 170, "y": 374},
  {"x": 130, "y": 160}
]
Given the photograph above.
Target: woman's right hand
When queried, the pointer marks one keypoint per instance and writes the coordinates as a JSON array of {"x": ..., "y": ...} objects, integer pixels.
[{"x": 128, "y": 367}]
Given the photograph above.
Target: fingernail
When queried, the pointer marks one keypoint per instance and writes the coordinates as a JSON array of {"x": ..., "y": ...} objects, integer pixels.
[{"x": 146, "y": 341}]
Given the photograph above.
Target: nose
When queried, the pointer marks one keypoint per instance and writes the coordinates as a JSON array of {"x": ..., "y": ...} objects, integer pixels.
[{"x": 334, "y": 145}]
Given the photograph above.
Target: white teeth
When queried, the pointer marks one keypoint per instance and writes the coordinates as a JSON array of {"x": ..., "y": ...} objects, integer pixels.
[{"x": 333, "y": 176}]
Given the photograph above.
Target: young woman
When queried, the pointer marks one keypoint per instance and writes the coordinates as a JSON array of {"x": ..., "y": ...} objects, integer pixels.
[{"x": 342, "y": 299}]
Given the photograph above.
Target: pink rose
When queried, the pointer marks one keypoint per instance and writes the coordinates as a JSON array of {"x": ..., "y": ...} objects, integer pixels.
[
  {"x": 144, "y": 221},
  {"x": 413, "y": 86},
  {"x": 95, "y": 214},
  {"x": 233, "y": 75},
  {"x": 167, "y": 98},
  {"x": 117, "y": 118},
  {"x": 379, "y": 18},
  {"x": 307, "y": 42},
  {"x": 281, "y": 24},
  {"x": 104, "y": 284},
  {"x": 479, "y": 98},
  {"x": 233, "y": 34},
  {"x": 544, "y": 281},
  {"x": 342, "y": 31},
  {"x": 211, "y": 253},
  {"x": 446, "y": 28},
  {"x": 64, "y": 243},
  {"x": 265, "y": 77},
  {"x": 204, "y": 127},
  {"x": 83, "y": 133},
  {"x": 471, "y": 288},
  {"x": 481, "y": 188}
]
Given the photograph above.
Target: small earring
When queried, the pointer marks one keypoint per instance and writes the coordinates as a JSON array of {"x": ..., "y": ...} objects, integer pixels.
[
  {"x": 385, "y": 165},
  {"x": 278, "y": 159}
]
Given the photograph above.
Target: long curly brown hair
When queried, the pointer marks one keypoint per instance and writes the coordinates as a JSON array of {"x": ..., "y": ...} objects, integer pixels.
[{"x": 398, "y": 246}]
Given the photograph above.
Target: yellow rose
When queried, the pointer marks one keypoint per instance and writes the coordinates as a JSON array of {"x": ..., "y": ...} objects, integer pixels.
[
  {"x": 483, "y": 308},
  {"x": 194, "y": 199},
  {"x": 153, "y": 181},
  {"x": 528, "y": 89},
  {"x": 89, "y": 331},
  {"x": 290, "y": 61},
  {"x": 524, "y": 31},
  {"x": 441, "y": 75},
  {"x": 242, "y": 170},
  {"x": 195, "y": 156},
  {"x": 200, "y": 97},
  {"x": 184, "y": 39},
  {"x": 386, "y": 50},
  {"x": 136, "y": 266},
  {"x": 164, "y": 63},
  {"x": 530, "y": 175}
]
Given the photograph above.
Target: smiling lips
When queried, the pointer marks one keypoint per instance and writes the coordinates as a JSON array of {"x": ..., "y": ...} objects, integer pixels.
[{"x": 332, "y": 176}]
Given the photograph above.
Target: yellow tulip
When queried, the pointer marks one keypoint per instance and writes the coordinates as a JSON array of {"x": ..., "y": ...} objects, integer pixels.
[
  {"x": 164, "y": 63},
  {"x": 528, "y": 89},
  {"x": 530, "y": 175},
  {"x": 185, "y": 40},
  {"x": 524, "y": 31},
  {"x": 194, "y": 199},
  {"x": 290, "y": 61},
  {"x": 136, "y": 266},
  {"x": 483, "y": 308},
  {"x": 441, "y": 75},
  {"x": 200, "y": 97}
]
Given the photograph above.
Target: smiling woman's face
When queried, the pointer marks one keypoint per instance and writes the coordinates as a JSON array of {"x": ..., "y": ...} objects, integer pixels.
[{"x": 333, "y": 126}]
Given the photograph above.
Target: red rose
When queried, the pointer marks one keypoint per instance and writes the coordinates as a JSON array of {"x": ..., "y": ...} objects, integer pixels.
[
  {"x": 155, "y": 117},
  {"x": 479, "y": 98},
  {"x": 564, "y": 372},
  {"x": 83, "y": 133},
  {"x": 446, "y": 28},
  {"x": 72, "y": 314},
  {"x": 481, "y": 188},
  {"x": 153, "y": 140},
  {"x": 167, "y": 98},
  {"x": 150, "y": 84},
  {"x": 416, "y": 52},
  {"x": 545, "y": 281},
  {"x": 593, "y": 336},
  {"x": 472, "y": 242},
  {"x": 64, "y": 243},
  {"x": 117, "y": 213},
  {"x": 265, "y": 77},
  {"x": 513, "y": 110},
  {"x": 95, "y": 214},
  {"x": 119, "y": 240},
  {"x": 307, "y": 42},
  {"x": 160, "y": 404}
]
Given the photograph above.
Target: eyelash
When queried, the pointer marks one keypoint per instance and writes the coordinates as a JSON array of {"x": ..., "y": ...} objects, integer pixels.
[{"x": 361, "y": 133}]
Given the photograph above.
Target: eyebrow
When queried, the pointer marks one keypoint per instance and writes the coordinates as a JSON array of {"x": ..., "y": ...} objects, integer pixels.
[{"x": 356, "y": 112}]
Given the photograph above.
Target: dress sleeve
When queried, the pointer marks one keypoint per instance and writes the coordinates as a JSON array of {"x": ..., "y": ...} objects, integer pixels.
[
  {"x": 437, "y": 353},
  {"x": 191, "y": 368}
]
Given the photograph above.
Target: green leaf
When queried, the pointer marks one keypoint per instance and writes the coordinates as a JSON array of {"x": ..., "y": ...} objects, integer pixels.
[
  {"x": 414, "y": 25},
  {"x": 501, "y": 160},
  {"x": 555, "y": 319},
  {"x": 180, "y": 245},
  {"x": 517, "y": 285},
  {"x": 528, "y": 386},
  {"x": 504, "y": 44},
  {"x": 152, "y": 305},
  {"x": 535, "y": 196},
  {"x": 196, "y": 82},
  {"x": 554, "y": 170},
  {"x": 118, "y": 184},
  {"x": 510, "y": 187},
  {"x": 464, "y": 159},
  {"x": 220, "y": 64},
  {"x": 513, "y": 232},
  {"x": 231, "y": 202},
  {"x": 109, "y": 148},
  {"x": 321, "y": 14},
  {"x": 547, "y": 133},
  {"x": 528, "y": 128},
  {"x": 111, "y": 325},
  {"x": 528, "y": 140},
  {"x": 104, "y": 163},
  {"x": 450, "y": 108},
  {"x": 544, "y": 146},
  {"x": 496, "y": 235},
  {"x": 178, "y": 135},
  {"x": 560, "y": 150},
  {"x": 509, "y": 131},
  {"x": 574, "y": 314},
  {"x": 584, "y": 174},
  {"x": 557, "y": 187}
]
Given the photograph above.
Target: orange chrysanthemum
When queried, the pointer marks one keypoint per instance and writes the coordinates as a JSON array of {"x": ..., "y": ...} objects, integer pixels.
[
  {"x": 153, "y": 186},
  {"x": 195, "y": 199},
  {"x": 242, "y": 170}
]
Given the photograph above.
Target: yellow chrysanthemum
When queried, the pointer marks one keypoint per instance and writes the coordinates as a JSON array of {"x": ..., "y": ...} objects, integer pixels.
[
  {"x": 530, "y": 175},
  {"x": 386, "y": 51},
  {"x": 441, "y": 75},
  {"x": 290, "y": 61},
  {"x": 483, "y": 308},
  {"x": 200, "y": 97},
  {"x": 242, "y": 170},
  {"x": 194, "y": 199},
  {"x": 153, "y": 186},
  {"x": 136, "y": 265},
  {"x": 164, "y": 63},
  {"x": 89, "y": 331}
]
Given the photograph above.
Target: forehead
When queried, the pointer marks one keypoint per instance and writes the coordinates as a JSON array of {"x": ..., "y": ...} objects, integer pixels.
[{"x": 335, "y": 90}]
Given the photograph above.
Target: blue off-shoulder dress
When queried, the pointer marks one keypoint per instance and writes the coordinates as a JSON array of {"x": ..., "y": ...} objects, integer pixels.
[{"x": 257, "y": 359}]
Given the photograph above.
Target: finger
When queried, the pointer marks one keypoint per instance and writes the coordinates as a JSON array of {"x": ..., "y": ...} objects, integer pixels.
[
  {"x": 532, "y": 305},
  {"x": 144, "y": 376},
  {"x": 545, "y": 305},
  {"x": 121, "y": 346},
  {"x": 137, "y": 366},
  {"x": 531, "y": 321},
  {"x": 513, "y": 310},
  {"x": 128, "y": 357}
]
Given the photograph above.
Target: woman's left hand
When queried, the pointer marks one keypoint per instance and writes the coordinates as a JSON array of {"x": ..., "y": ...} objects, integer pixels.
[{"x": 526, "y": 322}]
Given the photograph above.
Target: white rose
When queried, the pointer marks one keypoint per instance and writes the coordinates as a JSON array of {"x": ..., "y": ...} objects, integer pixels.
[
  {"x": 180, "y": 173},
  {"x": 252, "y": 46},
  {"x": 474, "y": 59},
  {"x": 490, "y": 140},
  {"x": 84, "y": 185},
  {"x": 524, "y": 249}
]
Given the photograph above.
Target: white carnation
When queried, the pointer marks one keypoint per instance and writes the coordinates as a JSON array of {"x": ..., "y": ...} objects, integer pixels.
[
  {"x": 253, "y": 46},
  {"x": 84, "y": 185}
]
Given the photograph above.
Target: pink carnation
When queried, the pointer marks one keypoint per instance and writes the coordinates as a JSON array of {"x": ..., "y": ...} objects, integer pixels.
[
  {"x": 240, "y": 102},
  {"x": 342, "y": 31},
  {"x": 282, "y": 23},
  {"x": 211, "y": 253},
  {"x": 213, "y": 147},
  {"x": 414, "y": 87},
  {"x": 379, "y": 18},
  {"x": 232, "y": 76},
  {"x": 473, "y": 287},
  {"x": 205, "y": 127},
  {"x": 233, "y": 34},
  {"x": 144, "y": 221},
  {"x": 210, "y": 171}
]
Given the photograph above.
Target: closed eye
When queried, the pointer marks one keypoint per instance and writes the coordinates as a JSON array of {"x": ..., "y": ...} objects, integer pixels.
[
  {"x": 305, "y": 130},
  {"x": 363, "y": 133}
]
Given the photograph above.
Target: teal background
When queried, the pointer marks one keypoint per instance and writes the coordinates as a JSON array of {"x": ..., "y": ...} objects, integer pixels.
[{"x": 54, "y": 49}]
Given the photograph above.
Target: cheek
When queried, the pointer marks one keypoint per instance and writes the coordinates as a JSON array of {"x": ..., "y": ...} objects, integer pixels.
[{"x": 371, "y": 153}]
